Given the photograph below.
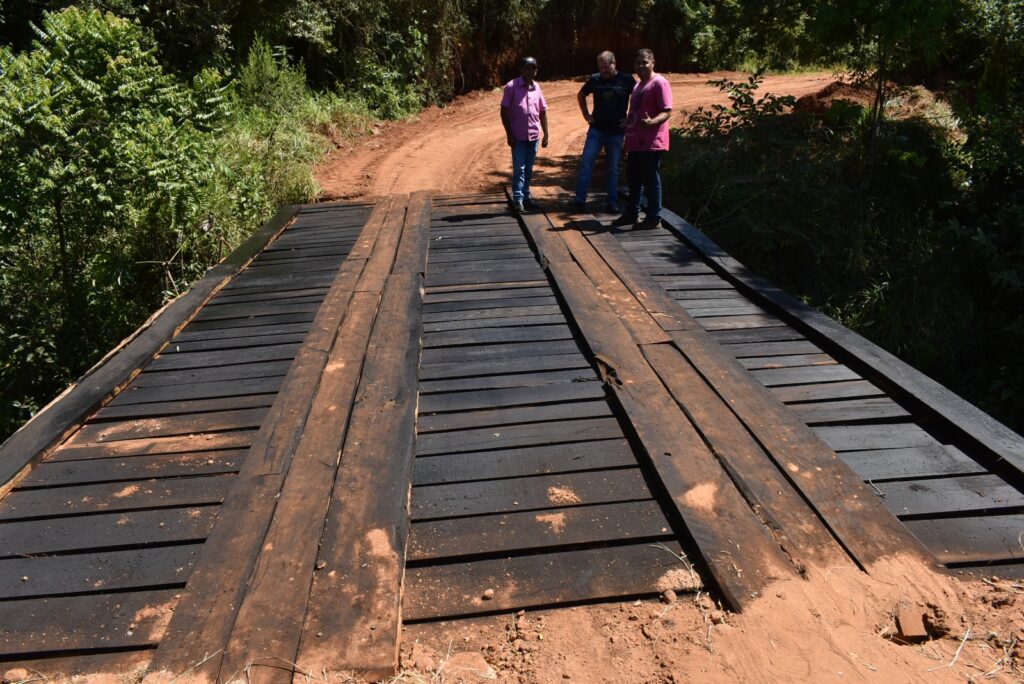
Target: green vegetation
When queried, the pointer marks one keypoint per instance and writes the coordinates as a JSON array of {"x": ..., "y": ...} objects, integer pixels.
[{"x": 123, "y": 183}]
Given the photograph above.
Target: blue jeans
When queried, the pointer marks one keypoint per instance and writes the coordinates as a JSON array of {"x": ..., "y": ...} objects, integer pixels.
[
  {"x": 612, "y": 144},
  {"x": 643, "y": 169},
  {"x": 523, "y": 154}
]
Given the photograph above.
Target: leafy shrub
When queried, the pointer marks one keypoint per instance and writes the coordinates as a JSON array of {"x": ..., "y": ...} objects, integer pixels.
[{"x": 120, "y": 184}]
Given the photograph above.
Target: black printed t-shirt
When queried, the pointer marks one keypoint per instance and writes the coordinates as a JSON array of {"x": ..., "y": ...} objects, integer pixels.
[{"x": 611, "y": 98}]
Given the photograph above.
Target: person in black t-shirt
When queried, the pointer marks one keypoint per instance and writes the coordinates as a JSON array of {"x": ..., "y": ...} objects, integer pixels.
[{"x": 611, "y": 90}]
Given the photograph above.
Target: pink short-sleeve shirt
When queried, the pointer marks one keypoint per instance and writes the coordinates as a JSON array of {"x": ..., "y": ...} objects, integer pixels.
[
  {"x": 648, "y": 99},
  {"x": 524, "y": 104}
]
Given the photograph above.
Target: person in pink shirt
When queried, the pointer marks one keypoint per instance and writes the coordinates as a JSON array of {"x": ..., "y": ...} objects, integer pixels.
[
  {"x": 650, "y": 106},
  {"x": 524, "y": 116}
]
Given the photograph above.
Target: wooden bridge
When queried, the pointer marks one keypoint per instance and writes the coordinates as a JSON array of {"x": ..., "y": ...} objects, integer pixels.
[{"x": 427, "y": 407}]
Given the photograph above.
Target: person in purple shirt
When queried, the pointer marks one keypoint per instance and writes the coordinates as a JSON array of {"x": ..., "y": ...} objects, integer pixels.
[
  {"x": 650, "y": 106},
  {"x": 524, "y": 116}
]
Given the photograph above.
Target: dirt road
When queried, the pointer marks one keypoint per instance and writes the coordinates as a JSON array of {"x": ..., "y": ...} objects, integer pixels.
[{"x": 461, "y": 147}]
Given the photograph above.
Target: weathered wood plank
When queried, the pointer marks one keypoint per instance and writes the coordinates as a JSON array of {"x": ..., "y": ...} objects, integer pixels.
[
  {"x": 353, "y": 617},
  {"x": 43, "y": 626},
  {"x": 514, "y": 396},
  {"x": 518, "y": 436},
  {"x": 712, "y": 509},
  {"x": 928, "y": 461},
  {"x": 541, "y": 460},
  {"x": 976, "y": 539},
  {"x": 203, "y": 620},
  {"x": 513, "y": 532},
  {"x": 947, "y": 495},
  {"x": 456, "y": 589},
  {"x": 105, "y": 571},
  {"x": 498, "y": 418},
  {"x": 509, "y": 380},
  {"x": 62, "y": 473},
  {"x": 523, "y": 494}
]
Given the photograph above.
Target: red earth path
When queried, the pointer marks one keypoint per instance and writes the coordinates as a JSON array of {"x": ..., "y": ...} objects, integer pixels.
[{"x": 461, "y": 148}]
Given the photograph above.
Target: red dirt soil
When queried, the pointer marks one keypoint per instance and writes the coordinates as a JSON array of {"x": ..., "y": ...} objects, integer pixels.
[{"x": 461, "y": 148}]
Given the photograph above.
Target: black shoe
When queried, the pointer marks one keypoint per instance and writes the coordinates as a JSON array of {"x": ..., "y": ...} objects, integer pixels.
[
  {"x": 648, "y": 223},
  {"x": 517, "y": 206},
  {"x": 625, "y": 220},
  {"x": 576, "y": 205},
  {"x": 530, "y": 204},
  {"x": 611, "y": 209}
]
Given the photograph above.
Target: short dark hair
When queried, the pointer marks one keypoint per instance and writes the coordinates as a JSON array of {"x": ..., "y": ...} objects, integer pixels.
[{"x": 646, "y": 53}]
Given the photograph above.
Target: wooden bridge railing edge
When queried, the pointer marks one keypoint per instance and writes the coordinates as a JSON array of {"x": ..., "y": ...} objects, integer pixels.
[
  {"x": 909, "y": 383},
  {"x": 54, "y": 422}
]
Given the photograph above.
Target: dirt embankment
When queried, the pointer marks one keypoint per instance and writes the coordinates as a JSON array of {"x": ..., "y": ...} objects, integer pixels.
[{"x": 461, "y": 148}]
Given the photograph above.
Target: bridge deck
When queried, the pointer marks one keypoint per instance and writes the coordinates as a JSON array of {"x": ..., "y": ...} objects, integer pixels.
[{"x": 424, "y": 408}]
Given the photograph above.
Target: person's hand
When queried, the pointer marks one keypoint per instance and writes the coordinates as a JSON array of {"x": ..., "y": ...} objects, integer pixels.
[
  {"x": 648, "y": 122},
  {"x": 511, "y": 140},
  {"x": 589, "y": 118},
  {"x": 544, "y": 141}
]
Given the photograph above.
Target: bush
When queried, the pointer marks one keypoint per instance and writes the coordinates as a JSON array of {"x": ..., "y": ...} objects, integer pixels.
[{"x": 121, "y": 184}]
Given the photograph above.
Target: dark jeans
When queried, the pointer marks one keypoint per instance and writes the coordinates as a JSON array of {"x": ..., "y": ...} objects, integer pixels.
[{"x": 643, "y": 170}]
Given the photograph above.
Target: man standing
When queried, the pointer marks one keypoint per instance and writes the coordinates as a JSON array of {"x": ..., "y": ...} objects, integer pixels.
[
  {"x": 524, "y": 116},
  {"x": 611, "y": 91},
  {"x": 646, "y": 141}
]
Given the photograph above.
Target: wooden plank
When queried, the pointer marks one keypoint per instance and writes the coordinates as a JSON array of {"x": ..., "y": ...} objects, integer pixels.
[
  {"x": 795, "y": 526},
  {"x": 907, "y": 381},
  {"x": 541, "y": 460},
  {"x": 885, "y": 436},
  {"x": 514, "y": 396},
  {"x": 528, "y": 493},
  {"x": 499, "y": 351},
  {"x": 482, "y": 322},
  {"x": 557, "y": 377},
  {"x": 277, "y": 352},
  {"x": 242, "y": 371},
  {"x": 827, "y": 391},
  {"x": 947, "y": 495},
  {"x": 774, "y": 377},
  {"x": 105, "y": 530},
  {"x": 353, "y": 617},
  {"x": 208, "y": 442},
  {"x": 203, "y": 620},
  {"x": 235, "y": 342},
  {"x": 850, "y": 411},
  {"x": 475, "y": 314},
  {"x": 170, "y": 408},
  {"x": 928, "y": 461},
  {"x": 542, "y": 296},
  {"x": 506, "y": 335},
  {"x": 518, "y": 436},
  {"x": 120, "y": 496},
  {"x": 63, "y": 473},
  {"x": 711, "y": 507},
  {"x": 526, "y": 363},
  {"x": 509, "y": 533},
  {"x": 787, "y": 361},
  {"x": 239, "y": 334},
  {"x": 434, "y": 300},
  {"x": 534, "y": 581},
  {"x": 249, "y": 322},
  {"x": 35, "y": 627},
  {"x": 54, "y": 422},
  {"x": 172, "y": 425},
  {"x": 81, "y": 573},
  {"x": 976, "y": 539},
  {"x": 754, "y": 335},
  {"x": 512, "y": 415}
]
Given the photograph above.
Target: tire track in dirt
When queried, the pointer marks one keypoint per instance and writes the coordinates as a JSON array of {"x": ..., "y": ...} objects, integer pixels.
[{"x": 461, "y": 148}]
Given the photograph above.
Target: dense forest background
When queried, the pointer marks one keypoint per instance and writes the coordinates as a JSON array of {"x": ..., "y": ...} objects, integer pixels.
[{"x": 139, "y": 142}]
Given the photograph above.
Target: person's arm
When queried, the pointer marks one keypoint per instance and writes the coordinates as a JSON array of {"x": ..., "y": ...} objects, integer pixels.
[
  {"x": 656, "y": 120},
  {"x": 581, "y": 97},
  {"x": 508, "y": 126},
  {"x": 544, "y": 127}
]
